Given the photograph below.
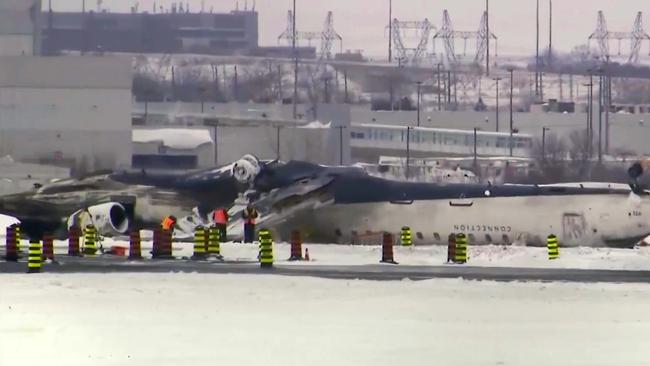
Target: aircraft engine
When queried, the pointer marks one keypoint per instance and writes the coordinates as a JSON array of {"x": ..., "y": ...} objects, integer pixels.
[
  {"x": 246, "y": 169},
  {"x": 109, "y": 218}
]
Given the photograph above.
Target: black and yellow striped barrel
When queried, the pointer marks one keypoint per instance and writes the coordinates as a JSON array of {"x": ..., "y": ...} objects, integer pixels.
[
  {"x": 266, "y": 248},
  {"x": 17, "y": 231},
  {"x": 460, "y": 256},
  {"x": 90, "y": 240},
  {"x": 406, "y": 237},
  {"x": 199, "y": 243},
  {"x": 214, "y": 245},
  {"x": 35, "y": 258},
  {"x": 553, "y": 247}
]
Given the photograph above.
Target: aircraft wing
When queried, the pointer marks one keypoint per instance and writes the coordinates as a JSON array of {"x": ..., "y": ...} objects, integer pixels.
[{"x": 282, "y": 204}]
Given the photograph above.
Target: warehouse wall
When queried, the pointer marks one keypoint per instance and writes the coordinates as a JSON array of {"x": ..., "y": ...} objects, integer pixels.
[{"x": 70, "y": 111}]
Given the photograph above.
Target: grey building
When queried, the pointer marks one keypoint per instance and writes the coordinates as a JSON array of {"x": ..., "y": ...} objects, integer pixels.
[
  {"x": 173, "y": 32},
  {"x": 19, "y": 27},
  {"x": 68, "y": 111}
]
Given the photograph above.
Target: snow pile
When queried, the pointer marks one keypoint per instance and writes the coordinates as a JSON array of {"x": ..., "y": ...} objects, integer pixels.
[
  {"x": 172, "y": 319},
  {"x": 317, "y": 125},
  {"x": 175, "y": 138}
]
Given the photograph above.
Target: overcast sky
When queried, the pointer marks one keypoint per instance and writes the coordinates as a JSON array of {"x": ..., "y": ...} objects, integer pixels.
[{"x": 362, "y": 22}]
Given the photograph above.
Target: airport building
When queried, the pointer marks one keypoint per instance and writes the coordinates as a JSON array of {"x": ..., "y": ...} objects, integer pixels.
[
  {"x": 175, "y": 31},
  {"x": 66, "y": 111},
  {"x": 19, "y": 25}
]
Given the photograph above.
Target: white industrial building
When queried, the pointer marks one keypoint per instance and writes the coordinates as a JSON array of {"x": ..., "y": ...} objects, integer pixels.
[
  {"x": 266, "y": 131},
  {"x": 69, "y": 111},
  {"x": 179, "y": 148},
  {"x": 19, "y": 27}
]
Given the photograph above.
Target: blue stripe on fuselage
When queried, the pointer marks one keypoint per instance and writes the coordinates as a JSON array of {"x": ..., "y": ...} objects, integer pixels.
[{"x": 371, "y": 189}]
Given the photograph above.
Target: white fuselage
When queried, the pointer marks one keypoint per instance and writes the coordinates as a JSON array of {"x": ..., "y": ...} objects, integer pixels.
[{"x": 577, "y": 220}]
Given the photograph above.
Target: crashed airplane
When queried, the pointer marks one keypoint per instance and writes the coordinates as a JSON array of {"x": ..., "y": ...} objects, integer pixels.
[{"x": 341, "y": 204}]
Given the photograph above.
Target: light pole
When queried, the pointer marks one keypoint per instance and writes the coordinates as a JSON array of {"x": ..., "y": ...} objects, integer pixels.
[
  {"x": 439, "y": 90},
  {"x": 341, "y": 144},
  {"x": 277, "y": 142},
  {"x": 475, "y": 143},
  {"x": 608, "y": 92},
  {"x": 544, "y": 129},
  {"x": 600, "y": 115},
  {"x": 497, "y": 79},
  {"x": 295, "y": 66},
  {"x": 589, "y": 137},
  {"x": 511, "y": 70},
  {"x": 408, "y": 151},
  {"x": 419, "y": 96},
  {"x": 202, "y": 92},
  {"x": 147, "y": 92}
]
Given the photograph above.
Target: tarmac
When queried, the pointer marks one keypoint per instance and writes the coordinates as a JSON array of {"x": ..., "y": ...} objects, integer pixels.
[{"x": 378, "y": 272}]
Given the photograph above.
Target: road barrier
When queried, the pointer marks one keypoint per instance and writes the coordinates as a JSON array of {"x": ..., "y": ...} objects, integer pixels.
[
  {"x": 387, "y": 255},
  {"x": 199, "y": 244},
  {"x": 553, "y": 247},
  {"x": 11, "y": 252},
  {"x": 266, "y": 248},
  {"x": 74, "y": 235},
  {"x": 461, "y": 249},
  {"x": 90, "y": 241},
  {"x": 35, "y": 256},
  {"x": 135, "y": 246},
  {"x": 48, "y": 247},
  {"x": 451, "y": 248},
  {"x": 214, "y": 244},
  {"x": 406, "y": 236},
  {"x": 296, "y": 246}
]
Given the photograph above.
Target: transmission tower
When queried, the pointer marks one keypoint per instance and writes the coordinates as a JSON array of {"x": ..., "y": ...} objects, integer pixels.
[
  {"x": 449, "y": 35},
  {"x": 327, "y": 37},
  {"x": 603, "y": 37},
  {"x": 411, "y": 55}
]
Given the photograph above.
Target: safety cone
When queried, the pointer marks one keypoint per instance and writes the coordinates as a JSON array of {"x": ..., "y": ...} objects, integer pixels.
[
  {"x": 74, "y": 234},
  {"x": 48, "y": 247},
  {"x": 307, "y": 255},
  {"x": 387, "y": 249},
  {"x": 296, "y": 246},
  {"x": 11, "y": 253}
]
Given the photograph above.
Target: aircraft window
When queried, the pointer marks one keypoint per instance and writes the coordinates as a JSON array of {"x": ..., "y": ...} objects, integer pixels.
[
  {"x": 488, "y": 238},
  {"x": 419, "y": 235},
  {"x": 436, "y": 236},
  {"x": 338, "y": 232},
  {"x": 506, "y": 239},
  {"x": 472, "y": 238}
]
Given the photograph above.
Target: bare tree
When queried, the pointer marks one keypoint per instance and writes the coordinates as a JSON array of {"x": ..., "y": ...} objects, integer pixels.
[
  {"x": 551, "y": 158},
  {"x": 581, "y": 147}
]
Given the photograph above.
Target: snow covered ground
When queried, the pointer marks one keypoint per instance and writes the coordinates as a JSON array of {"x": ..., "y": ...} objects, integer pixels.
[
  {"x": 482, "y": 256},
  {"x": 195, "y": 319}
]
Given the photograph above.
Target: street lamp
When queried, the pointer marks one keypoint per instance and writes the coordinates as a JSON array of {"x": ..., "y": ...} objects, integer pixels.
[
  {"x": 511, "y": 70},
  {"x": 600, "y": 114},
  {"x": 439, "y": 89},
  {"x": 202, "y": 91},
  {"x": 544, "y": 129},
  {"x": 341, "y": 144},
  {"x": 419, "y": 95},
  {"x": 475, "y": 143},
  {"x": 589, "y": 137},
  {"x": 408, "y": 151},
  {"x": 497, "y": 79}
]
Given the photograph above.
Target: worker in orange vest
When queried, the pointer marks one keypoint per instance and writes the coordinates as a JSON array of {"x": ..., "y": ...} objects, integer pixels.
[
  {"x": 220, "y": 218},
  {"x": 169, "y": 223},
  {"x": 249, "y": 215}
]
